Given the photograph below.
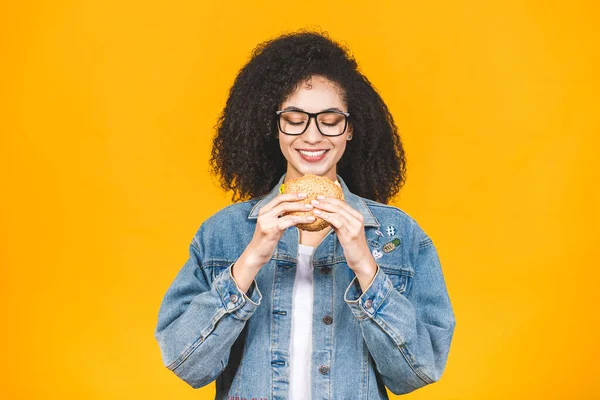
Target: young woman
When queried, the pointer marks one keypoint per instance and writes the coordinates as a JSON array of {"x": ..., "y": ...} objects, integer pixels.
[{"x": 273, "y": 312}]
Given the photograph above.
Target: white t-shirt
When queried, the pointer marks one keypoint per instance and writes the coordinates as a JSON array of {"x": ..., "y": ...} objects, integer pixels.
[{"x": 301, "y": 339}]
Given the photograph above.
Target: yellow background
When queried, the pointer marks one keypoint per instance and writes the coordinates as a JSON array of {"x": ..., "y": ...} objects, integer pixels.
[{"x": 108, "y": 110}]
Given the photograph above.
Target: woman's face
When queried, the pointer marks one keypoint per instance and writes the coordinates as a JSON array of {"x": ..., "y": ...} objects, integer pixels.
[{"x": 315, "y": 95}]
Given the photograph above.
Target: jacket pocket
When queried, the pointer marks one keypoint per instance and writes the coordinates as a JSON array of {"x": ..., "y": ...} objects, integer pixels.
[
  {"x": 400, "y": 277},
  {"x": 216, "y": 268}
]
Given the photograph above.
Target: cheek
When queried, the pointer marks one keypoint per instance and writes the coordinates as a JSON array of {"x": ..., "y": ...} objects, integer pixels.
[
  {"x": 340, "y": 147},
  {"x": 285, "y": 144}
]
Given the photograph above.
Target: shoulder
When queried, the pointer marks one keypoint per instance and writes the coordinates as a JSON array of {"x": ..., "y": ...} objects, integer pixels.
[
  {"x": 232, "y": 212},
  {"x": 230, "y": 221},
  {"x": 396, "y": 219}
]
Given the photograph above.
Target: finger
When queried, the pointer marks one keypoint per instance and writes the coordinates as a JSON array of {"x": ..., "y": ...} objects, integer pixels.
[
  {"x": 287, "y": 206},
  {"x": 347, "y": 224},
  {"x": 350, "y": 222},
  {"x": 285, "y": 222},
  {"x": 351, "y": 219},
  {"x": 334, "y": 220},
  {"x": 343, "y": 204},
  {"x": 280, "y": 198}
]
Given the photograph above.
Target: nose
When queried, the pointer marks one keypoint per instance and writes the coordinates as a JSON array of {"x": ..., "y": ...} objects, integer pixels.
[{"x": 312, "y": 134}]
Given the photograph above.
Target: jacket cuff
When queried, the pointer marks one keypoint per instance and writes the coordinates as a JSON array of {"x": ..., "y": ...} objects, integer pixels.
[
  {"x": 365, "y": 304},
  {"x": 235, "y": 301}
]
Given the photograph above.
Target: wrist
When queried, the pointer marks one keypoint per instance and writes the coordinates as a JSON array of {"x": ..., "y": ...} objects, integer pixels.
[
  {"x": 249, "y": 260},
  {"x": 243, "y": 273},
  {"x": 366, "y": 270},
  {"x": 254, "y": 255}
]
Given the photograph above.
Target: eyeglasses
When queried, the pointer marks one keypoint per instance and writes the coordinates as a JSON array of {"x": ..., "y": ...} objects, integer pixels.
[{"x": 329, "y": 123}]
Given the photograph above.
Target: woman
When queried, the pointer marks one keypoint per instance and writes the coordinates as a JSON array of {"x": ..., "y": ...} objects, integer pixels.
[{"x": 273, "y": 312}]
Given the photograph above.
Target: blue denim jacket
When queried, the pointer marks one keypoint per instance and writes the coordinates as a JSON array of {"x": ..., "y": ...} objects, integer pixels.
[{"x": 396, "y": 334}]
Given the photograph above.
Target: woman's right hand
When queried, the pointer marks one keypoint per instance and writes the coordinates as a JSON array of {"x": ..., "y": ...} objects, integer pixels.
[{"x": 270, "y": 225}]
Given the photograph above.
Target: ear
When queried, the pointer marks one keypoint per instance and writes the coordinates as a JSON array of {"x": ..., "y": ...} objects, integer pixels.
[{"x": 349, "y": 137}]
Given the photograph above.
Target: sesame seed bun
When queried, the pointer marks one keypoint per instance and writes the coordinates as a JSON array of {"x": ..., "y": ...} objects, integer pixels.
[{"x": 313, "y": 186}]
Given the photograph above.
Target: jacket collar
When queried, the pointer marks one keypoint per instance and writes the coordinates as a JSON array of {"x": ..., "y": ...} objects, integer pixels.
[{"x": 354, "y": 201}]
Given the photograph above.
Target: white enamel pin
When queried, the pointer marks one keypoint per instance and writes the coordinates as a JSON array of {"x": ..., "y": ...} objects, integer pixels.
[{"x": 377, "y": 254}]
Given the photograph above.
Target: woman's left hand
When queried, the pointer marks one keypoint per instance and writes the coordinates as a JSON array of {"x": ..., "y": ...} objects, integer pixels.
[{"x": 348, "y": 225}]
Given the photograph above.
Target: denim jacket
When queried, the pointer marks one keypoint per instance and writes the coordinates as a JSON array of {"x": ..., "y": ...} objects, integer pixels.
[{"x": 395, "y": 334}]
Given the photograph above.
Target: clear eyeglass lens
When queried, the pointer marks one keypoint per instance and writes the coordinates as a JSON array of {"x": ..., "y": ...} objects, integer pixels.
[{"x": 295, "y": 122}]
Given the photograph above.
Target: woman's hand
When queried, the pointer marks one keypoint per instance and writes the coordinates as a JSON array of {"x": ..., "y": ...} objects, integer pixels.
[
  {"x": 270, "y": 226},
  {"x": 348, "y": 225}
]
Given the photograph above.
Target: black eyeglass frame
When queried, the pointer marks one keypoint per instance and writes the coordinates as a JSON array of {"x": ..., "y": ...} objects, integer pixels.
[{"x": 310, "y": 116}]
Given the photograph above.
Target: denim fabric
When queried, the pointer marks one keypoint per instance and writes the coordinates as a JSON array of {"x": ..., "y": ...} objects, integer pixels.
[{"x": 395, "y": 334}]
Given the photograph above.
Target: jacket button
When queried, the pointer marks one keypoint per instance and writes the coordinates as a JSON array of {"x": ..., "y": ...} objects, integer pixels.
[
  {"x": 233, "y": 298},
  {"x": 325, "y": 270},
  {"x": 368, "y": 303},
  {"x": 324, "y": 369},
  {"x": 327, "y": 319}
]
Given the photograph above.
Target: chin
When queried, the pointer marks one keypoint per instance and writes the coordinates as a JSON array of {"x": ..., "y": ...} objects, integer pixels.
[{"x": 315, "y": 170}]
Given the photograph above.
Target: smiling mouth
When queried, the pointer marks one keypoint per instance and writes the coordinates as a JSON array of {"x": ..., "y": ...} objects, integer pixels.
[{"x": 312, "y": 156}]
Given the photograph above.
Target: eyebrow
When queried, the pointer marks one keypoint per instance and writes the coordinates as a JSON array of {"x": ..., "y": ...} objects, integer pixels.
[{"x": 292, "y": 108}]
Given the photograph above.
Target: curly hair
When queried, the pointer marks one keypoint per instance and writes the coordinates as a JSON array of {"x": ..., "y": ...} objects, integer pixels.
[{"x": 246, "y": 155}]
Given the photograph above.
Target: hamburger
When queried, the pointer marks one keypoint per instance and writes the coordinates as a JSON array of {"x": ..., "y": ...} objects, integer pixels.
[{"x": 313, "y": 186}]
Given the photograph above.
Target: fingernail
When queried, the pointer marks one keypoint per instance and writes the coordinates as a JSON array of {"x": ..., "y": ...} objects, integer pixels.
[
  {"x": 310, "y": 218},
  {"x": 308, "y": 206},
  {"x": 302, "y": 195},
  {"x": 321, "y": 197},
  {"x": 315, "y": 201},
  {"x": 317, "y": 211}
]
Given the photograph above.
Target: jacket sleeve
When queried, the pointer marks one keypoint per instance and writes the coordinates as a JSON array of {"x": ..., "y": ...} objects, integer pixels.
[
  {"x": 199, "y": 321},
  {"x": 408, "y": 336}
]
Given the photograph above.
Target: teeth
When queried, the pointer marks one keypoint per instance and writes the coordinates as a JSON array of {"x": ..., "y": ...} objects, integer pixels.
[{"x": 312, "y": 153}]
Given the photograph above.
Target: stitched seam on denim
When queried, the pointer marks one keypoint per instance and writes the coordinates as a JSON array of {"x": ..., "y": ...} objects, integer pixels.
[
  {"x": 350, "y": 286},
  {"x": 219, "y": 291},
  {"x": 258, "y": 201},
  {"x": 258, "y": 293},
  {"x": 365, "y": 363},
  {"x": 195, "y": 243},
  {"x": 190, "y": 349},
  {"x": 248, "y": 307},
  {"x": 272, "y": 329},
  {"x": 376, "y": 224},
  {"x": 332, "y": 330},
  {"x": 418, "y": 370},
  {"x": 381, "y": 205},
  {"x": 216, "y": 262},
  {"x": 355, "y": 308},
  {"x": 425, "y": 242},
  {"x": 238, "y": 314},
  {"x": 400, "y": 271},
  {"x": 184, "y": 355},
  {"x": 390, "y": 332},
  {"x": 393, "y": 336},
  {"x": 382, "y": 300},
  {"x": 407, "y": 357}
]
